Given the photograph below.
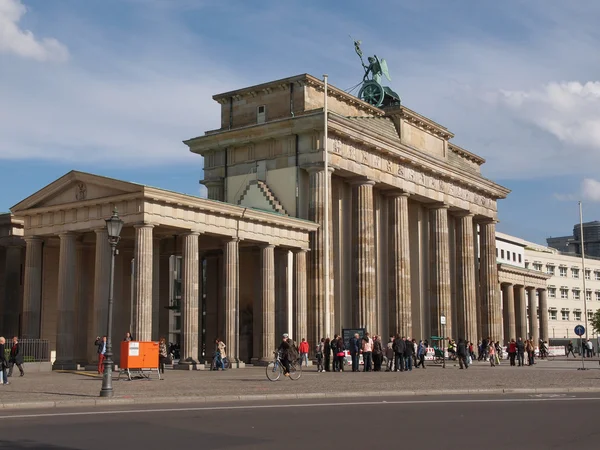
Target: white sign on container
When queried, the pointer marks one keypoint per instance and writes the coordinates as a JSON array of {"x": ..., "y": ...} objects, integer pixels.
[{"x": 134, "y": 348}]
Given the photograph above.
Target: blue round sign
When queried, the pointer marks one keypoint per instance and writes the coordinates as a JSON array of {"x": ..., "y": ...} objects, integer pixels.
[{"x": 579, "y": 330}]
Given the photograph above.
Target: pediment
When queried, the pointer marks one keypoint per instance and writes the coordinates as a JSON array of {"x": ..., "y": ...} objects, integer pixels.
[
  {"x": 76, "y": 187},
  {"x": 258, "y": 195}
]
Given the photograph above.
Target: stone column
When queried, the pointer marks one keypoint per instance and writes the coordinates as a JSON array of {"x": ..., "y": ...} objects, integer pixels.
[
  {"x": 267, "y": 259},
  {"x": 215, "y": 189},
  {"x": 364, "y": 261},
  {"x": 65, "y": 310},
  {"x": 508, "y": 301},
  {"x": 491, "y": 315},
  {"x": 81, "y": 306},
  {"x": 231, "y": 266},
  {"x": 521, "y": 312},
  {"x": 533, "y": 320},
  {"x": 32, "y": 295},
  {"x": 466, "y": 286},
  {"x": 12, "y": 294},
  {"x": 142, "y": 302},
  {"x": 101, "y": 288},
  {"x": 441, "y": 300},
  {"x": 318, "y": 304},
  {"x": 544, "y": 314},
  {"x": 400, "y": 304},
  {"x": 300, "y": 328},
  {"x": 189, "y": 299},
  {"x": 155, "y": 289}
]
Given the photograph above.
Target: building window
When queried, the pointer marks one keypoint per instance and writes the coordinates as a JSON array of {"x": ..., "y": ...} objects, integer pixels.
[
  {"x": 564, "y": 314},
  {"x": 562, "y": 271},
  {"x": 588, "y": 296},
  {"x": 598, "y": 296},
  {"x": 519, "y": 257},
  {"x": 587, "y": 274},
  {"x": 597, "y": 275},
  {"x": 552, "y": 314},
  {"x": 575, "y": 273},
  {"x": 590, "y": 315},
  {"x": 552, "y": 292},
  {"x": 576, "y": 315},
  {"x": 537, "y": 266},
  {"x": 550, "y": 269},
  {"x": 261, "y": 113},
  {"x": 502, "y": 254},
  {"x": 564, "y": 293},
  {"x": 576, "y": 295},
  {"x": 496, "y": 252},
  {"x": 514, "y": 257}
]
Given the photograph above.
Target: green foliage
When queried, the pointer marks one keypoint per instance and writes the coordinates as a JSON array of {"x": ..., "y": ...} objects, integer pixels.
[{"x": 595, "y": 322}]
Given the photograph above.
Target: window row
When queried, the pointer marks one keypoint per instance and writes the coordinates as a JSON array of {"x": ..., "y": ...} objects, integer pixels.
[
  {"x": 506, "y": 255},
  {"x": 565, "y": 314},
  {"x": 564, "y": 294},
  {"x": 563, "y": 272}
]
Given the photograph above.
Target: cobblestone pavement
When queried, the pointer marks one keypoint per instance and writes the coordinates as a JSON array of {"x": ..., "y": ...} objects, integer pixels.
[{"x": 189, "y": 385}]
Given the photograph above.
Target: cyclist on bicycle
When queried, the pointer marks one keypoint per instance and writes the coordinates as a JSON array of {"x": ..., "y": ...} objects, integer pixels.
[{"x": 285, "y": 350}]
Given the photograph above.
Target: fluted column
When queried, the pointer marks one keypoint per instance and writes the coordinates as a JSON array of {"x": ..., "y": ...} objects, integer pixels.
[
  {"x": 364, "y": 261},
  {"x": 231, "y": 265},
  {"x": 155, "y": 289},
  {"x": 81, "y": 305},
  {"x": 533, "y": 320},
  {"x": 32, "y": 295},
  {"x": 10, "y": 307},
  {"x": 101, "y": 287},
  {"x": 189, "y": 299},
  {"x": 508, "y": 302},
  {"x": 142, "y": 302},
  {"x": 400, "y": 304},
  {"x": 491, "y": 315},
  {"x": 441, "y": 304},
  {"x": 215, "y": 189},
  {"x": 521, "y": 312},
  {"x": 318, "y": 304},
  {"x": 466, "y": 286},
  {"x": 267, "y": 259},
  {"x": 544, "y": 315},
  {"x": 65, "y": 310},
  {"x": 300, "y": 297}
]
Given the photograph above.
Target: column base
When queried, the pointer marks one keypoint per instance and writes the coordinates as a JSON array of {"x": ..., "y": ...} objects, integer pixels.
[
  {"x": 188, "y": 365},
  {"x": 65, "y": 365},
  {"x": 236, "y": 365}
]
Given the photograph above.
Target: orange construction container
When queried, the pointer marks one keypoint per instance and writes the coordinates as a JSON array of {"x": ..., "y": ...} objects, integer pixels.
[{"x": 139, "y": 355}]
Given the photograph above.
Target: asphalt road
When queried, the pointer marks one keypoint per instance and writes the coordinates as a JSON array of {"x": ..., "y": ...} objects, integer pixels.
[{"x": 446, "y": 422}]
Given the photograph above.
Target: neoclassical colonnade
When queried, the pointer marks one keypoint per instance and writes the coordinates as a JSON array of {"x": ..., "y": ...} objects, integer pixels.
[
  {"x": 67, "y": 264},
  {"x": 524, "y": 298}
]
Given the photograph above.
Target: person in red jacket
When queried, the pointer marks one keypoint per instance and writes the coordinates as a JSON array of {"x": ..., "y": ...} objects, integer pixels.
[{"x": 303, "y": 349}]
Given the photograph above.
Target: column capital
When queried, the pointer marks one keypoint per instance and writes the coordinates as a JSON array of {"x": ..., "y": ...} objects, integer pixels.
[
  {"x": 232, "y": 239},
  {"x": 32, "y": 239},
  {"x": 143, "y": 225},
  {"x": 487, "y": 221},
  {"x": 316, "y": 167},
  {"x": 361, "y": 182},
  {"x": 67, "y": 234},
  {"x": 506, "y": 283},
  {"x": 266, "y": 246},
  {"x": 437, "y": 205},
  {"x": 300, "y": 250},
  {"x": 530, "y": 288},
  {"x": 208, "y": 182},
  {"x": 189, "y": 233},
  {"x": 463, "y": 213},
  {"x": 396, "y": 193}
]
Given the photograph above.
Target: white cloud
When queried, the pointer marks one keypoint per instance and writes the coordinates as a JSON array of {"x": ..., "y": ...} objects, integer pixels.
[
  {"x": 590, "y": 189},
  {"x": 22, "y": 42}
]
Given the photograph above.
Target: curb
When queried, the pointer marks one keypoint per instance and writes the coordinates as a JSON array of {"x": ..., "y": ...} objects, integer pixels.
[{"x": 264, "y": 397}]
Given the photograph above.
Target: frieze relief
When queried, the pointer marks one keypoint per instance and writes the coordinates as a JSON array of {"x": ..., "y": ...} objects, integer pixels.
[{"x": 409, "y": 173}]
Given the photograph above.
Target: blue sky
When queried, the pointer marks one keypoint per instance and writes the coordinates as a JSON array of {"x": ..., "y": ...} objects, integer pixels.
[{"x": 114, "y": 86}]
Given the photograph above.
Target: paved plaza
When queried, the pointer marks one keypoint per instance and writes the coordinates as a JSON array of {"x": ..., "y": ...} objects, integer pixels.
[{"x": 73, "y": 389}]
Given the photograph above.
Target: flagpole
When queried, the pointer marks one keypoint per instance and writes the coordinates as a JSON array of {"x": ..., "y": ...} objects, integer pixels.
[
  {"x": 326, "y": 208},
  {"x": 583, "y": 269}
]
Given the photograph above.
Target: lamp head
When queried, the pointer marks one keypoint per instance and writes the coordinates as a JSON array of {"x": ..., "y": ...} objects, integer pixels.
[{"x": 114, "y": 225}]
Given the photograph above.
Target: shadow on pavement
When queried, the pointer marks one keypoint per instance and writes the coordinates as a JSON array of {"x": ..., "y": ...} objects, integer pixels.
[{"x": 31, "y": 445}]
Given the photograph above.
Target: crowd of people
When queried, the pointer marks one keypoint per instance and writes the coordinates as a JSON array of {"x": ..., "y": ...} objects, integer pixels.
[{"x": 15, "y": 358}]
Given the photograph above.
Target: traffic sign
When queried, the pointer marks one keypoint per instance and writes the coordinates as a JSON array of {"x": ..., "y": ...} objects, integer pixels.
[
  {"x": 579, "y": 330},
  {"x": 443, "y": 320}
]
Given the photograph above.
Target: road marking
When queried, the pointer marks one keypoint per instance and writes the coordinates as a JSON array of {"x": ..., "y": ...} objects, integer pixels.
[{"x": 304, "y": 405}]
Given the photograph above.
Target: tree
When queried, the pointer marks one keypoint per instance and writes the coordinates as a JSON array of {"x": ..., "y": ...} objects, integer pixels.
[{"x": 595, "y": 322}]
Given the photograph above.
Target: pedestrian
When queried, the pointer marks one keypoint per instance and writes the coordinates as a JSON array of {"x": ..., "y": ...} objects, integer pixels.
[
  {"x": 128, "y": 337},
  {"x": 355, "y": 347},
  {"x": 471, "y": 352},
  {"x": 492, "y": 354},
  {"x": 341, "y": 354},
  {"x": 590, "y": 347},
  {"x": 303, "y": 349},
  {"x": 377, "y": 354},
  {"x": 333, "y": 345},
  {"x": 570, "y": 349},
  {"x": 3, "y": 361},
  {"x": 389, "y": 354},
  {"x": 530, "y": 352},
  {"x": 399, "y": 344},
  {"x": 16, "y": 357},
  {"x": 512, "y": 351},
  {"x": 520, "y": 352},
  {"x": 367, "y": 350},
  {"x": 421, "y": 351},
  {"x": 327, "y": 353},
  {"x": 101, "y": 349},
  {"x": 461, "y": 354},
  {"x": 408, "y": 354},
  {"x": 163, "y": 354},
  {"x": 319, "y": 355},
  {"x": 414, "y": 352}
]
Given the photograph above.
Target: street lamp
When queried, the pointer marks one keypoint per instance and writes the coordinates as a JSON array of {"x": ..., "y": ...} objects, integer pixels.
[{"x": 113, "y": 227}]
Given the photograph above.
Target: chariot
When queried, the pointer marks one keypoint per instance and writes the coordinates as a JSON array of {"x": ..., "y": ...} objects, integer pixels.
[{"x": 372, "y": 91}]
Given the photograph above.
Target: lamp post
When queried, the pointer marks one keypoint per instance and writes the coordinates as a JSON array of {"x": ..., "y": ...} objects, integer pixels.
[{"x": 113, "y": 227}]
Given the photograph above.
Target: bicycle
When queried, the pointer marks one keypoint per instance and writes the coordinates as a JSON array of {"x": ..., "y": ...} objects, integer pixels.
[{"x": 275, "y": 369}]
